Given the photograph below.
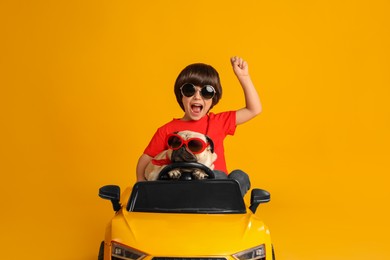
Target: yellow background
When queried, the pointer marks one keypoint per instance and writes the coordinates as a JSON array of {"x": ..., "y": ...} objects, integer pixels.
[{"x": 84, "y": 85}]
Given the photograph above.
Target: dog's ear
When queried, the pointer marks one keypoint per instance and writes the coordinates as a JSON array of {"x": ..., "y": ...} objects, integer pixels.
[{"x": 210, "y": 141}]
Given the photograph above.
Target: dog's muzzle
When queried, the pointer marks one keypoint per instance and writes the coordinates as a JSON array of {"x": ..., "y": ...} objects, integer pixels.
[{"x": 182, "y": 155}]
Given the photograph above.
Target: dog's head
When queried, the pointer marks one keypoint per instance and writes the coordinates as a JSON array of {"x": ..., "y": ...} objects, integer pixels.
[{"x": 190, "y": 146}]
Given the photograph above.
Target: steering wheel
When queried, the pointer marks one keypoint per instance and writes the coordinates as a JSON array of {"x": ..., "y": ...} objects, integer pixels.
[{"x": 163, "y": 175}]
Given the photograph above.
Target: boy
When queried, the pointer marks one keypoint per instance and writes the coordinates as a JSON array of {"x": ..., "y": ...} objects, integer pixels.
[{"x": 197, "y": 90}]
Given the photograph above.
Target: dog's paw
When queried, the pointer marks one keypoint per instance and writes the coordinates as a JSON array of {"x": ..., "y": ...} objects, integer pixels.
[
  {"x": 199, "y": 174},
  {"x": 174, "y": 174}
]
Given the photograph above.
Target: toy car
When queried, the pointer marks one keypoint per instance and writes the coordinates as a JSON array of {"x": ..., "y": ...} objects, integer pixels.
[{"x": 185, "y": 220}]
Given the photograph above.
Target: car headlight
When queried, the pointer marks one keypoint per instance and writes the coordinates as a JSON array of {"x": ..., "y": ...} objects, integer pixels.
[
  {"x": 120, "y": 251},
  {"x": 251, "y": 254}
]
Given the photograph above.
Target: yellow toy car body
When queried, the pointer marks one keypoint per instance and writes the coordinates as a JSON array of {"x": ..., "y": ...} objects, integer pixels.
[{"x": 196, "y": 219}]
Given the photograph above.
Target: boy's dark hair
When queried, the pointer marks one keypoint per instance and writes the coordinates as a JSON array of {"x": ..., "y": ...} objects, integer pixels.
[{"x": 199, "y": 74}]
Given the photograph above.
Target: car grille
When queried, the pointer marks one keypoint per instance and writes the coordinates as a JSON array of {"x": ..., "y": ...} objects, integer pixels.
[{"x": 188, "y": 258}]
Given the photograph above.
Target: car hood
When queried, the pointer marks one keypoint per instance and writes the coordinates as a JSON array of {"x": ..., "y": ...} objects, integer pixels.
[{"x": 166, "y": 234}]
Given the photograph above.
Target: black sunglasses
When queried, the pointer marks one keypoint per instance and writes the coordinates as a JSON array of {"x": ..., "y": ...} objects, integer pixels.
[{"x": 188, "y": 90}]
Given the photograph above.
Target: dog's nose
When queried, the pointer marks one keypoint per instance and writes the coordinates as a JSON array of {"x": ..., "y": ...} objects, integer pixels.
[{"x": 182, "y": 155}]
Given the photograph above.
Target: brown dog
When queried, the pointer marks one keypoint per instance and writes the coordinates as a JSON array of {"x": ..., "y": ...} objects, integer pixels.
[{"x": 184, "y": 146}]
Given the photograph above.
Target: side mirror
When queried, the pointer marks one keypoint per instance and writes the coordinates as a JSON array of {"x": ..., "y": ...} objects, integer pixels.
[
  {"x": 112, "y": 193},
  {"x": 258, "y": 196}
]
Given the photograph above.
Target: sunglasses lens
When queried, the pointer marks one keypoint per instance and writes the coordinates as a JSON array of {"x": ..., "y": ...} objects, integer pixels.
[
  {"x": 208, "y": 92},
  {"x": 174, "y": 142},
  {"x": 195, "y": 146},
  {"x": 188, "y": 90}
]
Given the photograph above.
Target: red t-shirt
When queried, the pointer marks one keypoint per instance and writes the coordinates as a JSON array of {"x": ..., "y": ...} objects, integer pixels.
[{"x": 216, "y": 126}]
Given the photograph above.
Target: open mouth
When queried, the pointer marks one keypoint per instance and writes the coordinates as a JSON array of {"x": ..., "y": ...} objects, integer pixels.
[{"x": 196, "y": 108}]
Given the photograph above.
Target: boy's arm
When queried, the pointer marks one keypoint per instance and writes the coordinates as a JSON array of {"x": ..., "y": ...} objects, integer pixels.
[
  {"x": 252, "y": 101},
  {"x": 143, "y": 161}
]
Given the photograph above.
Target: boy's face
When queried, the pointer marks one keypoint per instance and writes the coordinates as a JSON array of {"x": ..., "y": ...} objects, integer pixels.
[{"x": 196, "y": 107}]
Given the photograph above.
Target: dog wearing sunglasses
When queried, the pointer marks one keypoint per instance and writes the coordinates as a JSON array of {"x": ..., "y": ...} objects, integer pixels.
[{"x": 183, "y": 146}]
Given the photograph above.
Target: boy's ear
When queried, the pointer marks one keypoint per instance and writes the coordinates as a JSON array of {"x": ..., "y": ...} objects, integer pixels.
[{"x": 210, "y": 141}]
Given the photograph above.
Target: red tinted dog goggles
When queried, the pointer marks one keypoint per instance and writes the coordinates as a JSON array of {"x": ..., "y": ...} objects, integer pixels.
[{"x": 195, "y": 145}]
